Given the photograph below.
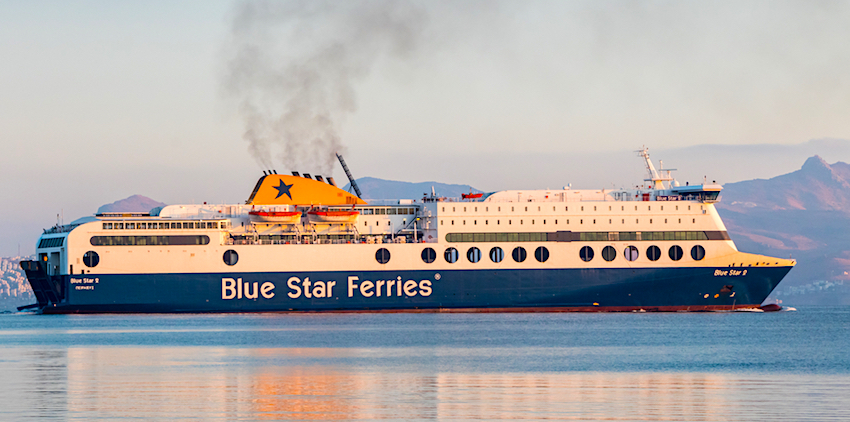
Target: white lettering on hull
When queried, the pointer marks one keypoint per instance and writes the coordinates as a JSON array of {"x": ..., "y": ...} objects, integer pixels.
[{"x": 235, "y": 288}]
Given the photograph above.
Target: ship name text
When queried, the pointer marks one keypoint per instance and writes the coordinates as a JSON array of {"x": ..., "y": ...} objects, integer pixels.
[{"x": 235, "y": 288}]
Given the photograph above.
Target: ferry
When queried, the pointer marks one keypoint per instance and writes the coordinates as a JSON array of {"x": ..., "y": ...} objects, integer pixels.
[{"x": 302, "y": 244}]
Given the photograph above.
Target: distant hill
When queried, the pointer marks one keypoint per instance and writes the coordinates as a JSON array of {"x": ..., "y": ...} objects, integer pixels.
[
  {"x": 817, "y": 186},
  {"x": 804, "y": 214},
  {"x": 14, "y": 289},
  {"x": 374, "y": 188},
  {"x": 135, "y": 203}
]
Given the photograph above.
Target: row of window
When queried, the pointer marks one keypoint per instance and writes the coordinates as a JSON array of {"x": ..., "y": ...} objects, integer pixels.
[
  {"x": 566, "y": 208},
  {"x": 473, "y": 254},
  {"x": 541, "y": 254},
  {"x": 142, "y": 225},
  {"x": 653, "y": 253},
  {"x": 568, "y": 236},
  {"x": 533, "y": 221},
  {"x": 51, "y": 242},
  {"x": 149, "y": 240},
  {"x": 380, "y": 211}
]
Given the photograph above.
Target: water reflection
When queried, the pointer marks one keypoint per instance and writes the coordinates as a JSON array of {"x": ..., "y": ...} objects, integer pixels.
[{"x": 170, "y": 383}]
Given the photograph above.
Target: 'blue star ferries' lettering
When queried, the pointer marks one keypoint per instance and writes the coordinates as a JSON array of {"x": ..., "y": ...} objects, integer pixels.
[{"x": 283, "y": 189}]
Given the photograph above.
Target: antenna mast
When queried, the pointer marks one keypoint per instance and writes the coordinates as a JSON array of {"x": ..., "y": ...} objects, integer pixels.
[{"x": 350, "y": 178}]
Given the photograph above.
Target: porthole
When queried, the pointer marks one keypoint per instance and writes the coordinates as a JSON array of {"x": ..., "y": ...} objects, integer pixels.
[
  {"x": 631, "y": 253},
  {"x": 473, "y": 254},
  {"x": 675, "y": 252},
  {"x": 697, "y": 253},
  {"x": 519, "y": 254},
  {"x": 91, "y": 259},
  {"x": 586, "y": 253},
  {"x": 609, "y": 253},
  {"x": 653, "y": 253},
  {"x": 450, "y": 255},
  {"x": 231, "y": 257},
  {"x": 382, "y": 256},
  {"x": 429, "y": 255},
  {"x": 497, "y": 254},
  {"x": 541, "y": 254}
]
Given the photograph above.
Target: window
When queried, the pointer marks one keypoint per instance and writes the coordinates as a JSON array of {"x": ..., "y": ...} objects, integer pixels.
[
  {"x": 382, "y": 256},
  {"x": 91, "y": 259},
  {"x": 631, "y": 253},
  {"x": 697, "y": 253},
  {"x": 473, "y": 254},
  {"x": 148, "y": 240},
  {"x": 51, "y": 242},
  {"x": 231, "y": 257},
  {"x": 541, "y": 254},
  {"x": 450, "y": 255},
  {"x": 429, "y": 255},
  {"x": 586, "y": 254},
  {"x": 609, "y": 253},
  {"x": 675, "y": 252},
  {"x": 497, "y": 254},
  {"x": 519, "y": 254},
  {"x": 653, "y": 253}
]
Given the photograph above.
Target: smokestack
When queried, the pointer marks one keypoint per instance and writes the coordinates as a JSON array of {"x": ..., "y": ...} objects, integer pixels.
[
  {"x": 307, "y": 175},
  {"x": 331, "y": 181},
  {"x": 319, "y": 178},
  {"x": 295, "y": 173}
]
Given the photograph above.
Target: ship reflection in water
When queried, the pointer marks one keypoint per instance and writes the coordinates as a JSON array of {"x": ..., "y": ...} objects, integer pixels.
[{"x": 209, "y": 383}]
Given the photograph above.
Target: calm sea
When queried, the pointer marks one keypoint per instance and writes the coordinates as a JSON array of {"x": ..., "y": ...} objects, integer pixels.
[{"x": 701, "y": 366}]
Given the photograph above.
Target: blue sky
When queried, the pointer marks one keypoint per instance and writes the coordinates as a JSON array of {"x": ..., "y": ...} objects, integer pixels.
[{"x": 101, "y": 100}]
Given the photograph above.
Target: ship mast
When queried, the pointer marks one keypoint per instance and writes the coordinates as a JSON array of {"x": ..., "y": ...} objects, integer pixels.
[
  {"x": 654, "y": 177},
  {"x": 350, "y": 178}
]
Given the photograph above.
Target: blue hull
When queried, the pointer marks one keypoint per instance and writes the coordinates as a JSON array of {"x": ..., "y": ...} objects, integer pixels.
[{"x": 662, "y": 289}]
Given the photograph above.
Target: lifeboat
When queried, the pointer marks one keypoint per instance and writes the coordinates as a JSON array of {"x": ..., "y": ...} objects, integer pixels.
[
  {"x": 276, "y": 217},
  {"x": 333, "y": 217}
]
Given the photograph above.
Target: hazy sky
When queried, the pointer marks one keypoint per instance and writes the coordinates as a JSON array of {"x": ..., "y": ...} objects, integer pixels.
[{"x": 100, "y": 100}]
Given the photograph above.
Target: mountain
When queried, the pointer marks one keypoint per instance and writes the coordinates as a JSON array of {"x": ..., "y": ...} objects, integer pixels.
[
  {"x": 804, "y": 214},
  {"x": 14, "y": 289},
  {"x": 817, "y": 186},
  {"x": 374, "y": 188},
  {"x": 135, "y": 203}
]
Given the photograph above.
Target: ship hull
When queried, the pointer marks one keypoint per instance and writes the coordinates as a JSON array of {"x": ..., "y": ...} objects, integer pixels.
[{"x": 528, "y": 290}]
